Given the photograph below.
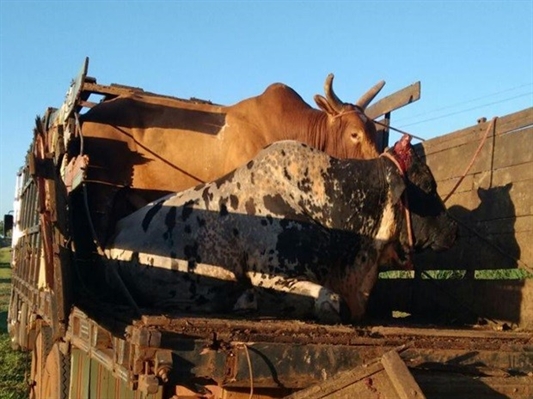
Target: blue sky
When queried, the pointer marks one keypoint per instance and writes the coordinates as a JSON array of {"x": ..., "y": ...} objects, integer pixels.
[{"x": 474, "y": 58}]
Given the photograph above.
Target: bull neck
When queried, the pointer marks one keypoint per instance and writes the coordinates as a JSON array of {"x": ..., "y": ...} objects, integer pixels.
[
  {"x": 359, "y": 189},
  {"x": 315, "y": 132}
]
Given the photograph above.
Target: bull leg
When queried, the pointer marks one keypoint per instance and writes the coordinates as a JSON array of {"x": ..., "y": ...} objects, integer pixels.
[{"x": 302, "y": 294}]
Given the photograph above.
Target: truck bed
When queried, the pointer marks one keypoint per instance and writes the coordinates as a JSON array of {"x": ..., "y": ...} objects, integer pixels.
[{"x": 294, "y": 354}]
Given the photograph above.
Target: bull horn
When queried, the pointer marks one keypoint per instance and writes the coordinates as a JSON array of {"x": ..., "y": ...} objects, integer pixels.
[
  {"x": 330, "y": 94},
  {"x": 370, "y": 95}
]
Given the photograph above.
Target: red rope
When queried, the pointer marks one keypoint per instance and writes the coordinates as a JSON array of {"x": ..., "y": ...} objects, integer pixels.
[
  {"x": 489, "y": 128},
  {"x": 410, "y": 234}
]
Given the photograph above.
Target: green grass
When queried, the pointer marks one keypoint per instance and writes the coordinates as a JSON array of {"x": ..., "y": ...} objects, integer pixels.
[
  {"x": 14, "y": 365},
  {"x": 497, "y": 274}
]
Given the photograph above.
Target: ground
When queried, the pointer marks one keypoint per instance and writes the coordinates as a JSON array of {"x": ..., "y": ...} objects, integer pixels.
[{"x": 14, "y": 365}]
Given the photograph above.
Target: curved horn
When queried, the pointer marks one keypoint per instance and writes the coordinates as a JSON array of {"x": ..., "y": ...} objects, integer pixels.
[
  {"x": 370, "y": 95},
  {"x": 330, "y": 94}
]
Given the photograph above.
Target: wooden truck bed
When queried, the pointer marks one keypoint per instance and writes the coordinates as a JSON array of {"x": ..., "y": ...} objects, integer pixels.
[{"x": 289, "y": 355}]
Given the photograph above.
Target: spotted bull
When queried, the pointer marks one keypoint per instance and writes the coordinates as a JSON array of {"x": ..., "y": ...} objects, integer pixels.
[{"x": 293, "y": 221}]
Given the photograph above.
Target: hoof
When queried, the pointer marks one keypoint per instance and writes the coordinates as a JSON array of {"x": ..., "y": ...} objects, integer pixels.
[
  {"x": 246, "y": 302},
  {"x": 328, "y": 307}
]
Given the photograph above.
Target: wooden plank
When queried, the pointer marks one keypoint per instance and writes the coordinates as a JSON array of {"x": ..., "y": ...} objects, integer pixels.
[
  {"x": 76, "y": 369},
  {"x": 460, "y": 301},
  {"x": 452, "y": 385},
  {"x": 472, "y": 253},
  {"x": 508, "y": 152},
  {"x": 510, "y": 201},
  {"x": 510, "y": 149},
  {"x": 504, "y": 226},
  {"x": 504, "y": 175},
  {"x": 476, "y": 202},
  {"x": 453, "y": 161},
  {"x": 524, "y": 238},
  {"x": 505, "y": 124},
  {"x": 496, "y": 153},
  {"x": 401, "y": 378},
  {"x": 85, "y": 365},
  {"x": 399, "y": 99},
  {"x": 428, "y": 332},
  {"x": 485, "y": 179},
  {"x": 368, "y": 381}
]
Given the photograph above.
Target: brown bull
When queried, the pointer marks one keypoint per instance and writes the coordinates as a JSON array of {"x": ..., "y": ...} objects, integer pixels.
[
  {"x": 177, "y": 144},
  {"x": 147, "y": 142}
]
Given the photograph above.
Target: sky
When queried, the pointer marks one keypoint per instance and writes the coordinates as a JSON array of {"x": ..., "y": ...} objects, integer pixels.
[{"x": 473, "y": 58}]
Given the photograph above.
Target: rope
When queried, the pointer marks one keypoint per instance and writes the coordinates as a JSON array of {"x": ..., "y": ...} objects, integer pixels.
[
  {"x": 410, "y": 234},
  {"x": 492, "y": 126},
  {"x": 398, "y": 130},
  {"x": 251, "y": 374},
  {"x": 484, "y": 239}
]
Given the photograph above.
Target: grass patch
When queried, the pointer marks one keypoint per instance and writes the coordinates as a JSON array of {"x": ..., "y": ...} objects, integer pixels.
[
  {"x": 496, "y": 274},
  {"x": 5, "y": 256},
  {"x": 14, "y": 365}
]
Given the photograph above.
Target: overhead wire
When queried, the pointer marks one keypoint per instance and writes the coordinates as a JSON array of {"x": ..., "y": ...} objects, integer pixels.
[
  {"x": 467, "y": 102},
  {"x": 467, "y": 110}
]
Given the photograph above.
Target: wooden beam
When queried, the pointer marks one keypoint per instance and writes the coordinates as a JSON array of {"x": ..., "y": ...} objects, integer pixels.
[
  {"x": 402, "y": 380},
  {"x": 334, "y": 386},
  {"x": 394, "y": 101}
]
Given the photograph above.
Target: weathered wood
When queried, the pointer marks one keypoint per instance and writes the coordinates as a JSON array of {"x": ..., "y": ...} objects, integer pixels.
[
  {"x": 497, "y": 153},
  {"x": 484, "y": 179},
  {"x": 335, "y": 386},
  {"x": 457, "y": 300},
  {"x": 388, "y": 378},
  {"x": 512, "y": 148},
  {"x": 402, "y": 380},
  {"x": 450, "y": 333},
  {"x": 394, "y": 101},
  {"x": 508, "y": 201},
  {"x": 451, "y": 386},
  {"x": 504, "y": 124},
  {"x": 494, "y": 208}
]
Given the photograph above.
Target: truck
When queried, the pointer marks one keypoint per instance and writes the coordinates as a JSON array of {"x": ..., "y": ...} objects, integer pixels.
[{"x": 466, "y": 335}]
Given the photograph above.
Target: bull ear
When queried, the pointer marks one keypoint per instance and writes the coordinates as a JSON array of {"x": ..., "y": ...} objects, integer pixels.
[
  {"x": 325, "y": 106},
  {"x": 397, "y": 187}
]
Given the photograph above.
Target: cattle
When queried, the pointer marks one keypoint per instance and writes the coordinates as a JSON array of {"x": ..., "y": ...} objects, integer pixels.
[
  {"x": 175, "y": 144},
  {"x": 293, "y": 221},
  {"x": 141, "y": 146}
]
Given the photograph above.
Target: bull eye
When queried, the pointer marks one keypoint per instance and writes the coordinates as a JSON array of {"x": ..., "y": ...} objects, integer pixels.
[{"x": 354, "y": 136}]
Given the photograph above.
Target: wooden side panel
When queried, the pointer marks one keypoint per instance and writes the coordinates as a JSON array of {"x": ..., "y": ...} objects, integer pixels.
[
  {"x": 451, "y": 386},
  {"x": 89, "y": 379},
  {"x": 80, "y": 367},
  {"x": 369, "y": 381},
  {"x": 493, "y": 205},
  {"x": 457, "y": 300}
]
